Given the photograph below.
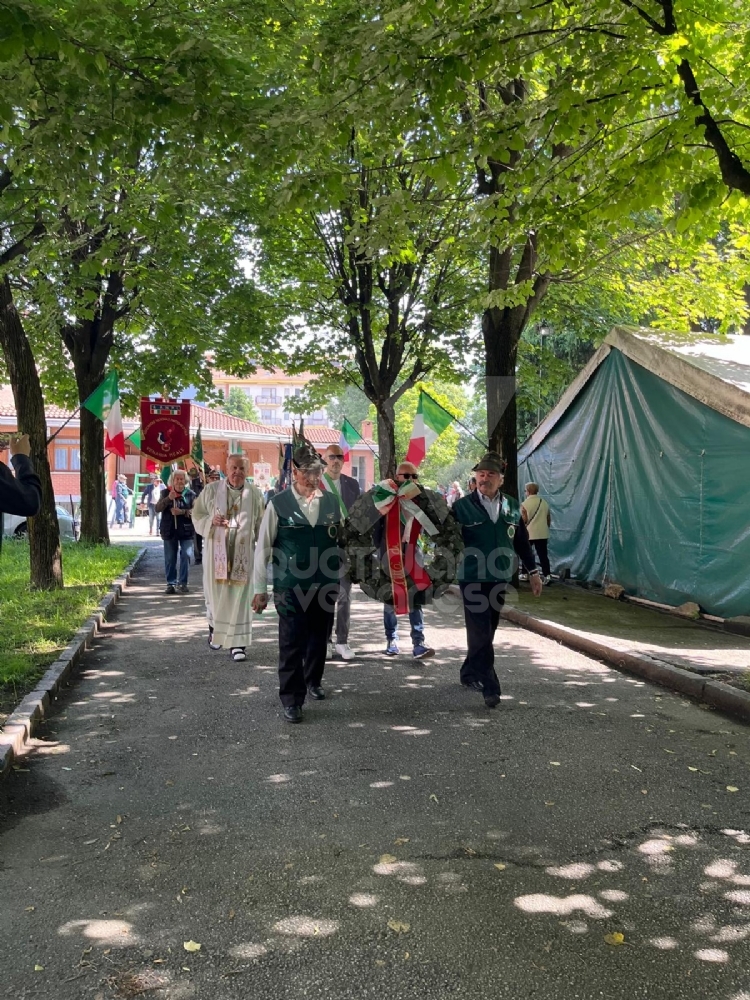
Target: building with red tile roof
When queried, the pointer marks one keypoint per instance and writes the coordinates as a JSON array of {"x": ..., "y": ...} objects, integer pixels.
[{"x": 221, "y": 434}]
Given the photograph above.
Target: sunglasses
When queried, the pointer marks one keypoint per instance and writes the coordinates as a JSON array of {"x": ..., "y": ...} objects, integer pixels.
[{"x": 409, "y": 475}]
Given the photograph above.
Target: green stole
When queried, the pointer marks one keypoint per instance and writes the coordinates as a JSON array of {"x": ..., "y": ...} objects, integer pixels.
[{"x": 332, "y": 488}]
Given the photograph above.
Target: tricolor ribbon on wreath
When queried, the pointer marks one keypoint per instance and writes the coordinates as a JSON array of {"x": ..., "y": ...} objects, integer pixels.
[{"x": 394, "y": 503}]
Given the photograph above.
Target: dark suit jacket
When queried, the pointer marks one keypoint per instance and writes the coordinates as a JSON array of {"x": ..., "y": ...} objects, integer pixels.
[
  {"x": 349, "y": 490},
  {"x": 21, "y": 494}
]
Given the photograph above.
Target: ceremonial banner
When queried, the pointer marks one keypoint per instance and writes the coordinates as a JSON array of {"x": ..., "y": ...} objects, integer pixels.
[
  {"x": 165, "y": 429},
  {"x": 262, "y": 475}
]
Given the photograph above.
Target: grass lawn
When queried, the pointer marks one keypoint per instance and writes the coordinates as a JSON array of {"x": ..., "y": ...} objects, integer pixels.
[{"x": 37, "y": 625}]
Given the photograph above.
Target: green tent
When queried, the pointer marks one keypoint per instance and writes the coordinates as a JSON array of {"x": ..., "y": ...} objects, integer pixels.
[{"x": 645, "y": 462}]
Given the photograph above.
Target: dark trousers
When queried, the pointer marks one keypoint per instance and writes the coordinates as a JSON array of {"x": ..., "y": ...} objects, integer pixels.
[
  {"x": 540, "y": 545},
  {"x": 198, "y": 547},
  {"x": 305, "y": 622},
  {"x": 482, "y": 605}
]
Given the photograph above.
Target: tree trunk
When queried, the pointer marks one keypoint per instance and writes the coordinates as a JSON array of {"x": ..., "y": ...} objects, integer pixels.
[
  {"x": 89, "y": 345},
  {"x": 502, "y": 331},
  {"x": 44, "y": 531},
  {"x": 94, "y": 529},
  {"x": 386, "y": 438}
]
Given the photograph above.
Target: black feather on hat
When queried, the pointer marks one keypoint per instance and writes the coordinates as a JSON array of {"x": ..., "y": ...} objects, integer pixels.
[
  {"x": 305, "y": 456},
  {"x": 491, "y": 462}
]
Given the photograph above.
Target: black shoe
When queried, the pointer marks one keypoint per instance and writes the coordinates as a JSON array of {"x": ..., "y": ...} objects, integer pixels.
[
  {"x": 473, "y": 686},
  {"x": 293, "y": 713},
  {"x": 183, "y": 588},
  {"x": 317, "y": 692},
  {"x": 171, "y": 589},
  {"x": 492, "y": 700}
]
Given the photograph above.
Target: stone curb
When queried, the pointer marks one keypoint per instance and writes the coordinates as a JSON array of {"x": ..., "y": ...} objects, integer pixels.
[
  {"x": 20, "y": 725},
  {"x": 723, "y": 697}
]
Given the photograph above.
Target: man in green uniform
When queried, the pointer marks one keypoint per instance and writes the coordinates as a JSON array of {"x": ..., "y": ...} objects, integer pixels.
[
  {"x": 493, "y": 534},
  {"x": 300, "y": 534}
]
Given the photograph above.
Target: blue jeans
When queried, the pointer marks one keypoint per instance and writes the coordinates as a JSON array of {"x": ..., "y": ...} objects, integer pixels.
[
  {"x": 171, "y": 546},
  {"x": 416, "y": 620}
]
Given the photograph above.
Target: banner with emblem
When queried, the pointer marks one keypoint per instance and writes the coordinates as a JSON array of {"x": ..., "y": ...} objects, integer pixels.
[{"x": 165, "y": 429}]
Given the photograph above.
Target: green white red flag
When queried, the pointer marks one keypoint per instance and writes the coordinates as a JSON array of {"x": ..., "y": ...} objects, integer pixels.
[
  {"x": 429, "y": 423},
  {"x": 349, "y": 437},
  {"x": 104, "y": 403}
]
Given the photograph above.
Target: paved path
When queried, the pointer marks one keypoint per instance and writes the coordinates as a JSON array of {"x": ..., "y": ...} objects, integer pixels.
[{"x": 404, "y": 842}]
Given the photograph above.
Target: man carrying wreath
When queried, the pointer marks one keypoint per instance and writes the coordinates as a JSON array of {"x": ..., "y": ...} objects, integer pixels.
[
  {"x": 300, "y": 534},
  {"x": 493, "y": 534},
  {"x": 405, "y": 473}
]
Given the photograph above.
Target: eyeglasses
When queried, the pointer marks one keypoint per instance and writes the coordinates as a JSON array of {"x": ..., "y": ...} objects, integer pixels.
[
  {"x": 335, "y": 458},
  {"x": 408, "y": 475}
]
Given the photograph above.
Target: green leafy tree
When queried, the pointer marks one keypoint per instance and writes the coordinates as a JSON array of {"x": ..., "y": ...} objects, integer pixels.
[
  {"x": 239, "y": 404},
  {"x": 113, "y": 239},
  {"x": 369, "y": 250},
  {"x": 588, "y": 132}
]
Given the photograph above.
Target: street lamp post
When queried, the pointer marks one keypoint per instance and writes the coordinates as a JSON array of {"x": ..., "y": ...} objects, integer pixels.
[{"x": 543, "y": 332}]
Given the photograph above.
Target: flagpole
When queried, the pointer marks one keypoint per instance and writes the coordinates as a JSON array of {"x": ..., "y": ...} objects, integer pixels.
[
  {"x": 361, "y": 438},
  {"x": 77, "y": 410},
  {"x": 456, "y": 420}
]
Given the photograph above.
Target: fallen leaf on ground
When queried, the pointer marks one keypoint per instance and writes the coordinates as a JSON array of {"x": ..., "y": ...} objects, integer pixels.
[
  {"x": 500, "y": 868},
  {"x": 38, "y": 968},
  {"x": 668, "y": 751},
  {"x": 191, "y": 946},
  {"x": 387, "y": 859},
  {"x": 434, "y": 798},
  {"x": 732, "y": 788},
  {"x": 692, "y": 769},
  {"x": 555, "y": 763},
  {"x": 401, "y": 840},
  {"x": 399, "y": 927},
  {"x": 614, "y": 938}
]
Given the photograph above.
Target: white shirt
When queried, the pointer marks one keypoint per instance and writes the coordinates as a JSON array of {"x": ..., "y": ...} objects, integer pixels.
[
  {"x": 491, "y": 506},
  {"x": 267, "y": 534}
]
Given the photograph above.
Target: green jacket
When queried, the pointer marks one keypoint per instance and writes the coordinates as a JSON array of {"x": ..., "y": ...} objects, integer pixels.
[
  {"x": 489, "y": 555},
  {"x": 305, "y": 556}
]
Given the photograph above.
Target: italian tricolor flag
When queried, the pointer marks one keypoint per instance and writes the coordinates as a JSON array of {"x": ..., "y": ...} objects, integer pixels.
[
  {"x": 104, "y": 403},
  {"x": 349, "y": 436},
  {"x": 429, "y": 423}
]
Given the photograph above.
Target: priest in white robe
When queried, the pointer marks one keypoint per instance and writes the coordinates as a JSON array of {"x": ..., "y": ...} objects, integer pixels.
[{"x": 228, "y": 515}]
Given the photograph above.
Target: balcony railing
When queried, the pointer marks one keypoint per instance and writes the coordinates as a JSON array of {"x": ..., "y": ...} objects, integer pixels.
[{"x": 268, "y": 400}]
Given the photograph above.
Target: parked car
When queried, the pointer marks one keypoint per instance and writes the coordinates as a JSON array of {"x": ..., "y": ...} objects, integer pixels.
[{"x": 15, "y": 525}]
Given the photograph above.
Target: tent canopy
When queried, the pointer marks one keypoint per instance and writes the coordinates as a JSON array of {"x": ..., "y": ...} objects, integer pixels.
[{"x": 645, "y": 462}]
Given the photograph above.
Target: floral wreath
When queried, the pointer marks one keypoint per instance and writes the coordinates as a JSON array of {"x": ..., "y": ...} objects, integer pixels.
[{"x": 440, "y": 547}]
